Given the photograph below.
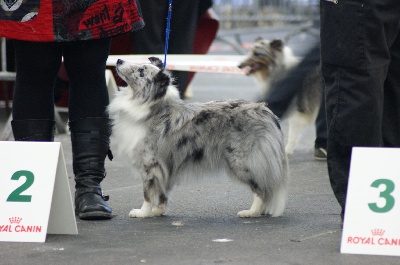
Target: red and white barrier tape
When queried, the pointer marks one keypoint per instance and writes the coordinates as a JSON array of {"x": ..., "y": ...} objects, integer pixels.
[{"x": 224, "y": 64}]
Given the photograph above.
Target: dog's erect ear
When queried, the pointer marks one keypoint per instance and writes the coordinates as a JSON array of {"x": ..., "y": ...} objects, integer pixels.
[
  {"x": 277, "y": 44},
  {"x": 157, "y": 62},
  {"x": 258, "y": 39}
]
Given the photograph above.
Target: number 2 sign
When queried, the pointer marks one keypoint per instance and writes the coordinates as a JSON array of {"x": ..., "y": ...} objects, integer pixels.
[
  {"x": 16, "y": 196},
  {"x": 35, "y": 198},
  {"x": 372, "y": 214}
]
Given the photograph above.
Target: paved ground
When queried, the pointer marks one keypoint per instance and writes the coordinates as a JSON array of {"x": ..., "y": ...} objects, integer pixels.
[{"x": 202, "y": 214}]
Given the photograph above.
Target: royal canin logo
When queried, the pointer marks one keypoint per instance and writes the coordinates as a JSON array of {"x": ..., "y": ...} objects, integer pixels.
[
  {"x": 15, "y": 226},
  {"x": 376, "y": 238}
]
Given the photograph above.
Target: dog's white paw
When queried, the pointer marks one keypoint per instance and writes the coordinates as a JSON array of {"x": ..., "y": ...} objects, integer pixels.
[
  {"x": 249, "y": 213},
  {"x": 158, "y": 211},
  {"x": 139, "y": 213}
]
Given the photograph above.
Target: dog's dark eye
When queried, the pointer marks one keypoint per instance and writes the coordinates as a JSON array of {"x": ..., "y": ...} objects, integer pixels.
[{"x": 141, "y": 71}]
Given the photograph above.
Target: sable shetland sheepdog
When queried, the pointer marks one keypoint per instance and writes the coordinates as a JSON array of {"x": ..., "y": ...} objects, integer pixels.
[
  {"x": 269, "y": 61},
  {"x": 167, "y": 139}
]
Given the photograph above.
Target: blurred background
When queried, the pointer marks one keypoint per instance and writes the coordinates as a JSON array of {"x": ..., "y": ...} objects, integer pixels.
[
  {"x": 242, "y": 21},
  {"x": 236, "y": 14},
  {"x": 237, "y": 24}
]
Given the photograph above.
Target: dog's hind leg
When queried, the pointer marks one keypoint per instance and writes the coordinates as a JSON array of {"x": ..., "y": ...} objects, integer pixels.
[
  {"x": 162, "y": 204},
  {"x": 256, "y": 209},
  {"x": 276, "y": 206},
  {"x": 239, "y": 170}
]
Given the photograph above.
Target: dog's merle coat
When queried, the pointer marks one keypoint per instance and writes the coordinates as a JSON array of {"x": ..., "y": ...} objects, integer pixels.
[{"x": 166, "y": 140}]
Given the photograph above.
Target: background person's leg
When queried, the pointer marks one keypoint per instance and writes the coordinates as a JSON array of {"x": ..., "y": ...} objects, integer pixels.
[{"x": 37, "y": 66}]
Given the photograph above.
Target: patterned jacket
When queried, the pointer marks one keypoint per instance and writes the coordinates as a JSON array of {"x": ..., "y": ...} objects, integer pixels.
[{"x": 67, "y": 20}]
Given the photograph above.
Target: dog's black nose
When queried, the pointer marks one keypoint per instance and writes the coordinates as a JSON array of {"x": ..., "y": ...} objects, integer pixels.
[{"x": 119, "y": 62}]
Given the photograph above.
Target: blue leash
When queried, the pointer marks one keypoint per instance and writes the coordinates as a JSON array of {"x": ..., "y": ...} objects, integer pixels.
[{"x": 167, "y": 32}]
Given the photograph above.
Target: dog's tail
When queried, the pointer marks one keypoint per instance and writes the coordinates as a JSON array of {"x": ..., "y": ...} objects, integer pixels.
[{"x": 270, "y": 172}]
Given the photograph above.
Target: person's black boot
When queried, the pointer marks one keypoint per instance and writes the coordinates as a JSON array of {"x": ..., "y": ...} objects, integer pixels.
[
  {"x": 90, "y": 146},
  {"x": 33, "y": 130}
]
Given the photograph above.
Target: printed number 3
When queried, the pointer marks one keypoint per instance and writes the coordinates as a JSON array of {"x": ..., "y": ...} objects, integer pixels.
[
  {"x": 16, "y": 196},
  {"x": 386, "y": 194}
]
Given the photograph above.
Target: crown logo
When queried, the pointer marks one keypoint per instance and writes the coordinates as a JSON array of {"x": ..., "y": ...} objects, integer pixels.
[
  {"x": 378, "y": 232},
  {"x": 15, "y": 220}
]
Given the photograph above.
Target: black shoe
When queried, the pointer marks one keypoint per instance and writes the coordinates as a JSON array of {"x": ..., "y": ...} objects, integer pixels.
[
  {"x": 90, "y": 204},
  {"x": 320, "y": 154}
]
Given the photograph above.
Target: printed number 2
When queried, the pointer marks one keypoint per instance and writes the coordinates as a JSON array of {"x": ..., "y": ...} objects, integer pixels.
[
  {"x": 16, "y": 196},
  {"x": 386, "y": 194}
]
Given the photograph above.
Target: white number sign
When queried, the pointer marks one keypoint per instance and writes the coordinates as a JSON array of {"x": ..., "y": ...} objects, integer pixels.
[{"x": 35, "y": 197}]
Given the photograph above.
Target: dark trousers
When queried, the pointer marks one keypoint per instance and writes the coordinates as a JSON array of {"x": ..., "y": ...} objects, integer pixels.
[
  {"x": 37, "y": 66},
  {"x": 360, "y": 53},
  {"x": 184, "y": 19},
  {"x": 283, "y": 92}
]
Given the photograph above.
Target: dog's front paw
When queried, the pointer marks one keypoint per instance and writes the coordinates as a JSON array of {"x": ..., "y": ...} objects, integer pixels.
[
  {"x": 139, "y": 213},
  {"x": 249, "y": 213}
]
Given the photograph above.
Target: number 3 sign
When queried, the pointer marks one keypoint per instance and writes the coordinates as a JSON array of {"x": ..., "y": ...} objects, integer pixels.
[
  {"x": 35, "y": 197},
  {"x": 372, "y": 215}
]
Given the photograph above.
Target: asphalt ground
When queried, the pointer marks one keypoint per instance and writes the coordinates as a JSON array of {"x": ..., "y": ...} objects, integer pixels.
[{"x": 201, "y": 225}]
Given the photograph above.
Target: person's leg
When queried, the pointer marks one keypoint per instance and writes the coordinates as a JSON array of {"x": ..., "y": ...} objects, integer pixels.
[
  {"x": 183, "y": 28},
  {"x": 354, "y": 108},
  {"x": 320, "y": 144},
  {"x": 391, "y": 116},
  {"x": 151, "y": 39},
  {"x": 37, "y": 66},
  {"x": 85, "y": 62},
  {"x": 354, "y": 77}
]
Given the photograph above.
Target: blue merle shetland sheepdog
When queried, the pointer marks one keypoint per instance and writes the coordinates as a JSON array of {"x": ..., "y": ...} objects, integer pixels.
[{"x": 167, "y": 139}]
